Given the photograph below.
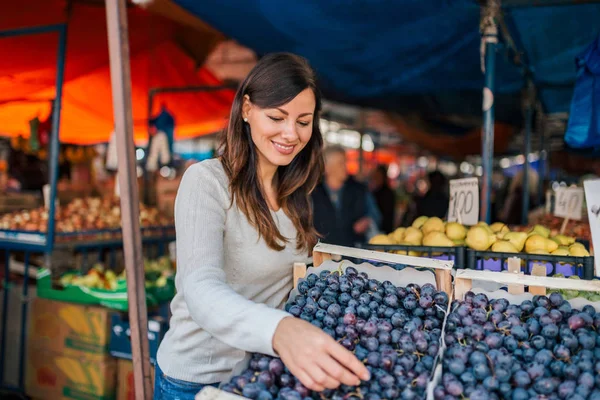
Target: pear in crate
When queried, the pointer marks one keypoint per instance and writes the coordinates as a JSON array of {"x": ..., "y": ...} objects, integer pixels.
[
  {"x": 540, "y": 230},
  {"x": 517, "y": 239},
  {"x": 398, "y": 235},
  {"x": 578, "y": 250},
  {"x": 433, "y": 224},
  {"x": 485, "y": 226},
  {"x": 535, "y": 242},
  {"x": 408, "y": 253},
  {"x": 561, "y": 251},
  {"x": 503, "y": 246},
  {"x": 437, "y": 239},
  {"x": 499, "y": 227},
  {"x": 456, "y": 231},
  {"x": 381, "y": 239},
  {"x": 413, "y": 236},
  {"x": 478, "y": 238},
  {"x": 418, "y": 223},
  {"x": 563, "y": 240}
]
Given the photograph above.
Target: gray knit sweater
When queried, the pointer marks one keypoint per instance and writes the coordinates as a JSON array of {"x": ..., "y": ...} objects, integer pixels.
[{"x": 229, "y": 282}]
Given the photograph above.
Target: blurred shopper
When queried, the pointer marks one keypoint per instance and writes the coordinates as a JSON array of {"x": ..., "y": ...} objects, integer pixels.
[
  {"x": 435, "y": 202},
  {"x": 513, "y": 206},
  {"x": 384, "y": 197},
  {"x": 341, "y": 204}
]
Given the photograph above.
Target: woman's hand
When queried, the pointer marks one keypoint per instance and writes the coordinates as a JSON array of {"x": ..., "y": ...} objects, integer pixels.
[{"x": 316, "y": 359}]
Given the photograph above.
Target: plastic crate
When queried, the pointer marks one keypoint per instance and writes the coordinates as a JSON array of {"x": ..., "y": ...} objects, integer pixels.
[
  {"x": 456, "y": 254},
  {"x": 566, "y": 265}
]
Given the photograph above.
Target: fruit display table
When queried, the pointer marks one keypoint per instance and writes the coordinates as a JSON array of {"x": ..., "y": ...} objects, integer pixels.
[
  {"x": 488, "y": 247},
  {"x": 497, "y": 336}
]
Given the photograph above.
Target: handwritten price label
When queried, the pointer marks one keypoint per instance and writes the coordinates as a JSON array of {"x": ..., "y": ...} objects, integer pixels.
[
  {"x": 569, "y": 203},
  {"x": 592, "y": 197},
  {"x": 464, "y": 201}
]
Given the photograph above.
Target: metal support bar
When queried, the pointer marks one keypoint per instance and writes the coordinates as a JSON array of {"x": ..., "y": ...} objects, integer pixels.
[
  {"x": 55, "y": 136},
  {"x": 526, "y": 166},
  {"x": 33, "y": 30},
  {"x": 543, "y": 161},
  {"x": 545, "y": 3},
  {"x": 528, "y": 104},
  {"x": 116, "y": 19},
  {"x": 489, "y": 40}
]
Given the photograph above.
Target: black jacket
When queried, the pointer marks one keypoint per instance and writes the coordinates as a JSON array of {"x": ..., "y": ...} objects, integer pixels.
[{"x": 336, "y": 226}]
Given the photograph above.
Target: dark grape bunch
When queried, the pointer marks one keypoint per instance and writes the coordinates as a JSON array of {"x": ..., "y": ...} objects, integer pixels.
[
  {"x": 540, "y": 349},
  {"x": 394, "y": 331}
]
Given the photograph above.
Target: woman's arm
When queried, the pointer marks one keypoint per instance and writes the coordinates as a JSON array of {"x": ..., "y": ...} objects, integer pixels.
[{"x": 200, "y": 223}]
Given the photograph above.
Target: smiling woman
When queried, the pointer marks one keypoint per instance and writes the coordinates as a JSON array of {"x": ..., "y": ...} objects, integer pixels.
[{"x": 242, "y": 221}]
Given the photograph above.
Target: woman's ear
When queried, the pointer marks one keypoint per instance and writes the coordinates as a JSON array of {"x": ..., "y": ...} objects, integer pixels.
[{"x": 246, "y": 107}]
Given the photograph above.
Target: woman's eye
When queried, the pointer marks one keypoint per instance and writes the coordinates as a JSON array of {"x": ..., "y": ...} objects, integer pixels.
[
  {"x": 303, "y": 123},
  {"x": 276, "y": 119}
]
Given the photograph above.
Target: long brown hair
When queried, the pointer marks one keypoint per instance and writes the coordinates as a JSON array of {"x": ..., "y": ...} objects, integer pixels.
[{"x": 274, "y": 81}]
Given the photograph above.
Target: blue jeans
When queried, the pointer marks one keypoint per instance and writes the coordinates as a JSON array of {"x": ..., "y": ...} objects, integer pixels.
[{"x": 167, "y": 388}]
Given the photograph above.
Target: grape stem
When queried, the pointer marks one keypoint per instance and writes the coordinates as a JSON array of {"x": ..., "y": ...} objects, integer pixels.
[
  {"x": 417, "y": 294},
  {"x": 357, "y": 394},
  {"x": 491, "y": 364}
]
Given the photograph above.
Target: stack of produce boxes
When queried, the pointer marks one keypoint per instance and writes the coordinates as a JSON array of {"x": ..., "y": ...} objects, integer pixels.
[{"x": 68, "y": 353}]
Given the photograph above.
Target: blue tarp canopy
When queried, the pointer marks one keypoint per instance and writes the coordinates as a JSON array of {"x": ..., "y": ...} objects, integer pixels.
[{"x": 407, "y": 54}]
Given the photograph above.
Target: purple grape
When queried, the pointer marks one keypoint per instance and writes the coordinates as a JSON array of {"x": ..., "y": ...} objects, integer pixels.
[
  {"x": 229, "y": 387},
  {"x": 320, "y": 314},
  {"x": 454, "y": 387},
  {"x": 240, "y": 381},
  {"x": 384, "y": 337},
  {"x": 401, "y": 292},
  {"x": 521, "y": 379},
  {"x": 371, "y": 344},
  {"x": 303, "y": 287},
  {"x": 290, "y": 395},
  {"x": 410, "y": 302},
  {"x": 348, "y": 344},
  {"x": 363, "y": 311},
  {"x": 265, "y": 378},
  {"x": 295, "y": 310},
  {"x": 276, "y": 367},
  {"x": 334, "y": 310},
  {"x": 373, "y": 359},
  {"x": 391, "y": 300},
  {"x": 369, "y": 329}
]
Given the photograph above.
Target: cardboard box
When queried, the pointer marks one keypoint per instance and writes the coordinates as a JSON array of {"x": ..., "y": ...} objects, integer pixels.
[
  {"x": 52, "y": 376},
  {"x": 120, "y": 340},
  {"x": 70, "y": 329},
  {"x": 125, "y": 386}
]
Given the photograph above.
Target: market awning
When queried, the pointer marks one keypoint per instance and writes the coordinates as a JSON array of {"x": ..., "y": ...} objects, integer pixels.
[
  {"x": 163, "y": 53},
  {"x": 412, "y": 56}
]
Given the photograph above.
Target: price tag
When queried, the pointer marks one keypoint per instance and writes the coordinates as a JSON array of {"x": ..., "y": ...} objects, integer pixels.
[
  {"x": 464, "y": 201},
  {"x": 592, "y": 196},
  {"x": 569, "y": 203}
]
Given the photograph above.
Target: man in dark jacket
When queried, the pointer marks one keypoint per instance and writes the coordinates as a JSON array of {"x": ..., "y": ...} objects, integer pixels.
[
  {"x": 340, "y": 203},
  {"x": 385, "y": 197}
]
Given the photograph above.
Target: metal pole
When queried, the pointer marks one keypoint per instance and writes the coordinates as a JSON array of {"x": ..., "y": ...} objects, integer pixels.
[
  {"x": 116, "y": 19},
  {"x": 527, "y": 151},
  {"x": 545, "y": 3},
  {"x": 543, "y": 159},
  {"x": 489, "y": 40},
  {"x": 55, "y": 137}
]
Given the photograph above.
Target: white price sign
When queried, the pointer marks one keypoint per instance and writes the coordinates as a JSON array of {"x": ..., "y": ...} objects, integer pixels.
[
  {"x": 569, "y": 203},
  {"x": 464, "y": 201},
  {"x": 592, "y": 197}
]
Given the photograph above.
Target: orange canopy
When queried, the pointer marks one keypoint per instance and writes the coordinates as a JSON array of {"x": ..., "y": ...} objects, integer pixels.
[{"x": 28, "y": 70}]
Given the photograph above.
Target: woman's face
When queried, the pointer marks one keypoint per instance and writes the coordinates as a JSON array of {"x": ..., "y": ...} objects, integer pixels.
[{"x": 281, "y": 133}]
